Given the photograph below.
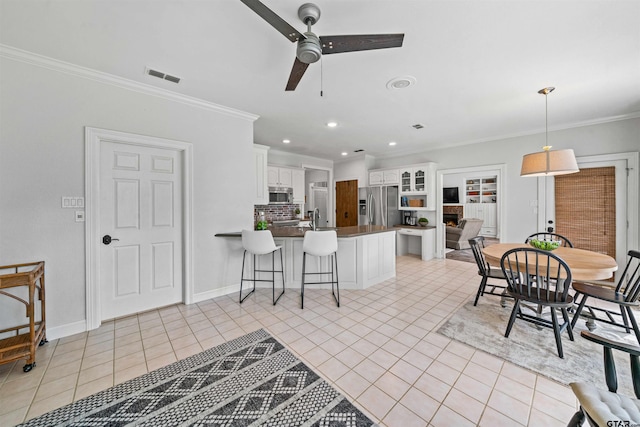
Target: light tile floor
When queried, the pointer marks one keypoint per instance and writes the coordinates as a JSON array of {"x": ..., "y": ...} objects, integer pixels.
[{"x": 380, "y": 348}]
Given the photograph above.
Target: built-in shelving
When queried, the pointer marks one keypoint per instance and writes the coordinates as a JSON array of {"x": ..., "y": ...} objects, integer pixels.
[{"x": 481, "y": 190}]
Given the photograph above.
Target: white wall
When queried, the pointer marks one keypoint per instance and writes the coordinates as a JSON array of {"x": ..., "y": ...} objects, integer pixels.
[
  {"x": 613, "y": 137},
  {"x": 293, "y": 160},
  {"x": 43, "y": 114},
  {"x": 355, "y": 168}
]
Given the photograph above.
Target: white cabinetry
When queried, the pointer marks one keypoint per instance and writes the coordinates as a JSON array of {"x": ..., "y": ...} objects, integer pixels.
[
  {"x": 260, "y": 164},
  {"x": 384, "y": 177},
  {"x": 279, "y": 177},
  {"x": 481, "y": 190},
  {"x": 363, "y": 261},
  {"x": 486, "y": 212},
  {"x": 297, "y": 182},
  {"x": 418, "y": 241},
  {"x": 417, "y": 187},
  {"x": 413, "y": 179},
  {"x": 481, "y": 195}
]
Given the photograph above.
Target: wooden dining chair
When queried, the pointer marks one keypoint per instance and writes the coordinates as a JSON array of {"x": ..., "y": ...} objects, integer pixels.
[
  {"x": 550, "y": 237},
  {"x": 607, "y": 408},
  {"x": 542, "y": 279},
  {"x": 486, "y": 272},
  {"x": 624, "y": 295}
]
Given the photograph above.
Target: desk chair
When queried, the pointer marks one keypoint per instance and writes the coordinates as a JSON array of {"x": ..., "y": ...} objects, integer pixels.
[
  {"x": 321, "y": 243},
  {"x": 543, "y": 279},
  {"x": 257, "y": 243},
  {"x": 625, "y": 295},
  {"x": 485, "y": 270}
]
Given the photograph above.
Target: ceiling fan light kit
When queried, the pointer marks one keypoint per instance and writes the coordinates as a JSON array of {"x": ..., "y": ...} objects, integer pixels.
[
  {"x": 548, "y": 162},
  {"x": 310, "y": 46}
]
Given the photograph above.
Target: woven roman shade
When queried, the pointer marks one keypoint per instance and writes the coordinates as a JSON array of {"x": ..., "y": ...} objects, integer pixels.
[{"x": 586, "y": 209}]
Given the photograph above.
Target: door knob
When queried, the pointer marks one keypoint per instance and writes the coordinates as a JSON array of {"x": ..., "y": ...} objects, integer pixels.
[{"x": 107, "y": 239}]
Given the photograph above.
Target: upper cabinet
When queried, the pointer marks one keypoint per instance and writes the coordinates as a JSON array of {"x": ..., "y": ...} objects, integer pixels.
[
  {"x": 384, "y": 177},
  {"x": 297, "y": 178},
  {"x": 287, "y": 177},
  {"x": 414, "y": 179},
  {"x": 418, "y": 187},
  {"x": 260, "y": 163},
  {"x": 279, "y": 177}
]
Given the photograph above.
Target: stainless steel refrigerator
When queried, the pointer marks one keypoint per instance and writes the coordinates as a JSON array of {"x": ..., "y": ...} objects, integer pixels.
[{"x": 378, "y": 206}]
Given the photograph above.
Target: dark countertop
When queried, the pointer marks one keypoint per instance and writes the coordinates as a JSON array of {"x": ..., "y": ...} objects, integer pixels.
[
  {"x": 428, "y": 227},
  {"x": 358, "y": 230}
]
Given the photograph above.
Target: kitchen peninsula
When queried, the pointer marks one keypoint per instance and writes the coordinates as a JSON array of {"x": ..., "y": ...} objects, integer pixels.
[{"x": 366, "y": 255}]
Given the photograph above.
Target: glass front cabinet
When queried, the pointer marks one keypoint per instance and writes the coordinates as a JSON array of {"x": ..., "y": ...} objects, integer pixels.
[
  {"x": 417, "y": 187},
  {"x": 413, "y": 179}
]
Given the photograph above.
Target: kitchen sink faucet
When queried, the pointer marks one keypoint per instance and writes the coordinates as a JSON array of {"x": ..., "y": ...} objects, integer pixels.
[{"x": 314, "y": 218}]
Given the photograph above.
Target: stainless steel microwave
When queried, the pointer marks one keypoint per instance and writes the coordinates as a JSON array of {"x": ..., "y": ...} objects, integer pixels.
[{"x": 280, "y": 195}]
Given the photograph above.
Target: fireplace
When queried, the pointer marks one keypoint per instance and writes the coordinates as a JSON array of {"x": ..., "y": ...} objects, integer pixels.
[
  {"x": 450, "y": 219},
  {"x": 451, "y": 215}
]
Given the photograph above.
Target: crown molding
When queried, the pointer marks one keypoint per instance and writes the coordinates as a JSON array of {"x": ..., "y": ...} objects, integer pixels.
[{"x": 31, "y": 58}]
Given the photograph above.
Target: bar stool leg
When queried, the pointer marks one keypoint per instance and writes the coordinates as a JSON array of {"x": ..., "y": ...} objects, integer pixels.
[
  {"x": 273, "y": 276},
  {"x": 304, "y": 258},
  {"x": 337, "y": 298},
  {"x": 242, "y": 279}
]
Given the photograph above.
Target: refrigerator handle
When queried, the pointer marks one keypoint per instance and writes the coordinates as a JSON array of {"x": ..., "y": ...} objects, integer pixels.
[
  {"x": 370, "y": 208},
  {"x": 383, "y": 205}
]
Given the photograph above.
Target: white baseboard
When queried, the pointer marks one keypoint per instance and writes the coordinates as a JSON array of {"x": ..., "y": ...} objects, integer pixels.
[
  {"x": 215, "y": 293},
  {"x": 66, "y": 330}
]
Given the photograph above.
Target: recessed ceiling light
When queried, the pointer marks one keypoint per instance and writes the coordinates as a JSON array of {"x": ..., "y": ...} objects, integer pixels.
[
  {"x": 285, "y": 141},
  {"x": 401, "y": 82},
  {"x": 344, "y": 153},
  {"x": 332, "y": 124},
  {"x": 392, "y": 143}
]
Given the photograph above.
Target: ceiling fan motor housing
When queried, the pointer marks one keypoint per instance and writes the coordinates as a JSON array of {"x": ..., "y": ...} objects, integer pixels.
[
  {"x": 309, "y": 13},
  {"x": 309, "y": 49}
]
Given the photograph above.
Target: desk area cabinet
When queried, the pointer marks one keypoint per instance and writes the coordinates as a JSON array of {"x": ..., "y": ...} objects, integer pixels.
[{"x": 416, "y": 240}]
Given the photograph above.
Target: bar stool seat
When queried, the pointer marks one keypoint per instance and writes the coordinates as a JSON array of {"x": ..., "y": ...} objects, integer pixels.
[
  {"x": 257, "y": 243},
  {"x": 320, "y": 244}
]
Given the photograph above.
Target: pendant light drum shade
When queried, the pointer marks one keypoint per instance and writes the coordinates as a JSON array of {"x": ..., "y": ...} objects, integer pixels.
[{"x": 548, "y": 162}]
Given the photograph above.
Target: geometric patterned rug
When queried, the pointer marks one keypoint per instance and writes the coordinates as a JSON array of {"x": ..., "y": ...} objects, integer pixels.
[{"x": 249, "y": 381}]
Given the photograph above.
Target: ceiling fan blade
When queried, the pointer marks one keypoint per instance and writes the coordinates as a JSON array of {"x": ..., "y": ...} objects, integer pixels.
[
  {"x": 274, "y": 20},
  {"x": 297, "y": 72},
  {"x": 339, "y": 44}
]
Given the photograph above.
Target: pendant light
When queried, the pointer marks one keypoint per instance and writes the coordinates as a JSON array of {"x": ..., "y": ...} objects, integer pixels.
[{"x": 548, "y": 162}]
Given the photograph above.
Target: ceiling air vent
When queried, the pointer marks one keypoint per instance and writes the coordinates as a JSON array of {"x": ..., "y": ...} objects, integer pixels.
[
  {"x": 161, "y": 75},
  {"x": 417, "y": 126}
]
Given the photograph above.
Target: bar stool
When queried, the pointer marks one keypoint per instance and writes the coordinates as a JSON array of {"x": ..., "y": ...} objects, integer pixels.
[
  {"x": 260, "y": 242},
  {"x": 321, "y": 243}
]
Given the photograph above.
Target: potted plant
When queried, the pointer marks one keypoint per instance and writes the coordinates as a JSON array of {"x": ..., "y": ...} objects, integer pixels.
[
  {"x": 422, "y": 222},
  {"x": 297, "y": 212}
]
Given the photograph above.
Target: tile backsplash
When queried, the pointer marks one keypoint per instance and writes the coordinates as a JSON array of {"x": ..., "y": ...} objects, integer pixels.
[{"x": 275, "y": 212}]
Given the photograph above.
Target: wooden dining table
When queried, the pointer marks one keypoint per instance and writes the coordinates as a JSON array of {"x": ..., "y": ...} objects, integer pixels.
[{"x": 584, "y": 265}]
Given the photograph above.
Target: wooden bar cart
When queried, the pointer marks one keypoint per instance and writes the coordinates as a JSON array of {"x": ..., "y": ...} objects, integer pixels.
[{"x": 30, "y": 335}]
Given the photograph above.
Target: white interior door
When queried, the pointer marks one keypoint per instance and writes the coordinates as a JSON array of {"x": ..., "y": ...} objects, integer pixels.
[{"x": 141, "y": 210}]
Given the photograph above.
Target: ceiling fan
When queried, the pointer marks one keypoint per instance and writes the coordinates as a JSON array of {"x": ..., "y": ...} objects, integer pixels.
[{"x": 310, "y": 46}]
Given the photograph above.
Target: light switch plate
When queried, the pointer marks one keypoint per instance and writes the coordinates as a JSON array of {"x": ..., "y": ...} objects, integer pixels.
[
  {"x": 79, "y": 216},
  {"x": 72, "y": 202}
]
